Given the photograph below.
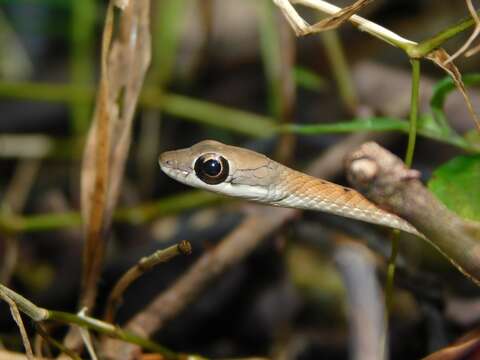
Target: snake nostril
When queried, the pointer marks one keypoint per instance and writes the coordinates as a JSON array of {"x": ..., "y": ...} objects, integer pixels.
[{"x": 165, "y": 160}]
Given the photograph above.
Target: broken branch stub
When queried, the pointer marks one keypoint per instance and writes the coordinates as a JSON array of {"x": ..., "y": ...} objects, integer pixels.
[{"x": 385, "y": 179}]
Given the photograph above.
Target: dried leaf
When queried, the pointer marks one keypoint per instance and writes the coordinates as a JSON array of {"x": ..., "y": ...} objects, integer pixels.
[
  {"x": 124, "y": 62},
  {"x": 440, "y": 57},
  {"x": 467, "y": 347},
  {"x": 94, "y": 177},
  {"x": 301, "y": 27},
  {"x": 298, "y": 25},
  {"x": 334, "y": 21},
  {"x": 472, "y": 51}
]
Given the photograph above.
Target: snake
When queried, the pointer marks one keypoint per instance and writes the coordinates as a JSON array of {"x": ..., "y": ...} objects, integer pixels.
[{"x": 246, "y": 174}]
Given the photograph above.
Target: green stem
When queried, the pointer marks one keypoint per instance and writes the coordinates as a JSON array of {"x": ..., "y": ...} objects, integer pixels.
[
  {"x": 134, "y": 215},
  {"x": 391, "y": 274},
  {"x": 412, "y": 134},
  {"x": 339, "y": 65},
  {"x": 427, "y": 46},
  {"x": 103, "y": 327},
  {"x": 39, "y": 314},
  {"x": 83, "y": 26},
  {"x": 271, "y": 53},
  {"x": 414, "y": 102}
]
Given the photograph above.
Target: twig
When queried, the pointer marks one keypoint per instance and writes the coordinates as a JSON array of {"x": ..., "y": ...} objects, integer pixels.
[
  {"x": 145, "y": 264},
  {"x": 39, "y": 314},
  {"x": 384, "y": 179},
  {"x": 18, "y": 320},
  {"x": 300, "y": 26}
]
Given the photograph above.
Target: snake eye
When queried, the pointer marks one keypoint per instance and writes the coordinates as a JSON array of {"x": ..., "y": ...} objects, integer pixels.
[{"x": 211, "y": 169}]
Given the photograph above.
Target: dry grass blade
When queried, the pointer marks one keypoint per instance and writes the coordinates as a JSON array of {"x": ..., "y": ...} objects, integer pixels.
[
  {"x": 472, "y": 51},
  {"x": 440, "y": 58},
  {"x": 298, "y": 25},
  {"x": 334, "y": 21},
  {"x": 18, "y": 320},
  {"x": 94, "y": 175},
  {"x": 301, "y": 27},
  {"x": 472, "y": 37},
  {"x": 124, "y": 63}
]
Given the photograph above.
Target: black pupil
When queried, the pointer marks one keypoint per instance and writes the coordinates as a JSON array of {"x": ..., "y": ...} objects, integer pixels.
[{"x": 212, "y": 167}]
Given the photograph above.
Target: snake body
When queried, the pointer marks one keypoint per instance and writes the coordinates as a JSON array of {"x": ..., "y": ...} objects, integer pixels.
[{"x": 243, "y": 173}]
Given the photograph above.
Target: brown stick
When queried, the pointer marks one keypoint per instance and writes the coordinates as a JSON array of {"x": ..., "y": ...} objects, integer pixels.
[
  {"x": 145, "y": 264},
  {"x": 384, "y": 179}
]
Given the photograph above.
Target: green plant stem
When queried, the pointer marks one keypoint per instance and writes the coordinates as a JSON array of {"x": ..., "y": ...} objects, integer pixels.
[
  {"x": 180, "y": 106},
  {"x": 414, "y": 104},
  {"x": 427, "y": 46},
  {"x": 39, "y": 314},
  {"x": 414, "y": 101},
  {"x": 339, "y": 65},
  {"x": 105, "y": 328},
  {"x": 134, "y": 215},
  {"x": 82, "y": 39},
  {"x": 271, "y": 52},
  {"x": 391, "y": 267}
]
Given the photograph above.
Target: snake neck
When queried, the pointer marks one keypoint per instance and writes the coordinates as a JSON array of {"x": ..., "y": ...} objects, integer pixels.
[{"x": 297, "y": 190}]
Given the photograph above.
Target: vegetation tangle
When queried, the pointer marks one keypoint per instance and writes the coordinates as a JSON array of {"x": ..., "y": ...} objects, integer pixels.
[{"x": 104, "y": 257}]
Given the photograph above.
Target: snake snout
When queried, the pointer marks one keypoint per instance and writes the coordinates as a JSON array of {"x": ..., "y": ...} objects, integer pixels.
[{"x": 167, "y": 159}]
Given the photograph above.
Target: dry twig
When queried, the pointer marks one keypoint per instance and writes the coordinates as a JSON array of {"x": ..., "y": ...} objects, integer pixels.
[
  {"x": 145, "y": 264},
  {"x": 385, "y": 180}
]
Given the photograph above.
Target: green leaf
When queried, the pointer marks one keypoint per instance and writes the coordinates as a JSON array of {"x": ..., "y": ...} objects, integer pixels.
[
  {"x": 440, "y": 93},
  {"x": 457, "y": 185},
  {"x": 446, "y": 86}
]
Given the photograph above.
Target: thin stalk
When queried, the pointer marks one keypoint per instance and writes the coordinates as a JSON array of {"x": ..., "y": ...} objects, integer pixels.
[
  {"x": 82, "y": 38},
  {"x": 39, "y": 314},
  {"x": 408, "y": 161},
  {"x": 271, "y": 52},
  {"x": 134, "y": 215},
  {"x": 341, "y": 72},
  {"x": 427, "y": 46},
  {"x": 412, "y": 134},
  {"x": 105, "y": 328},
  {"x": 145, "y": 264}
]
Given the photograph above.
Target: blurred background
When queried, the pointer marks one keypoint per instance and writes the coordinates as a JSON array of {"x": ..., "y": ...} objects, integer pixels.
[{"x": 230, "y": 70}]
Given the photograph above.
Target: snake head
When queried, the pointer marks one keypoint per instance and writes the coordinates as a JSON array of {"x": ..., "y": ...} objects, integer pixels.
[{"x": 221, "y": 168}]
